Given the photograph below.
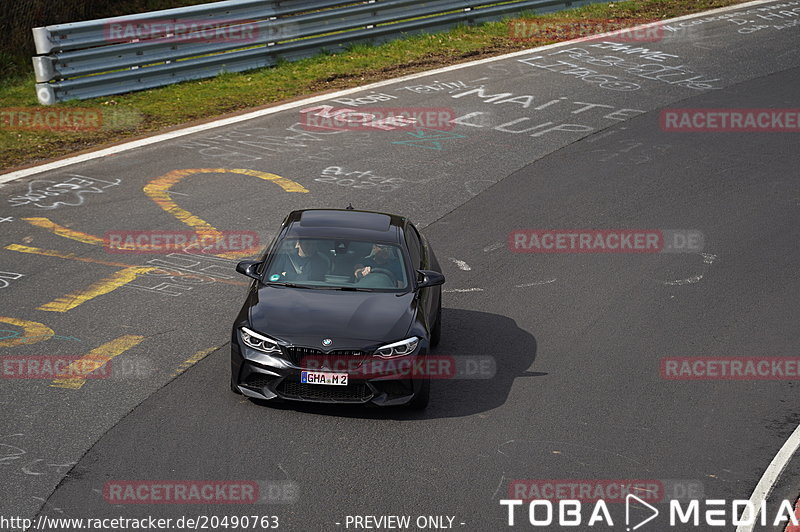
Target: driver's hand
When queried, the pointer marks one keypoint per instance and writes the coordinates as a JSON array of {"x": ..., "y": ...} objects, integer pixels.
[{"x": 364, "y": 271}]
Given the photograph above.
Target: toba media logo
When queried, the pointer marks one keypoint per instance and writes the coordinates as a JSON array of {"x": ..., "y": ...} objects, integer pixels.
[{"x": 713, "y": 513}]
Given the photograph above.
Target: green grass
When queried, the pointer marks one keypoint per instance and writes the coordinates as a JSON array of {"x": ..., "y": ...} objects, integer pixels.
[{"x": 138, "y": 113}]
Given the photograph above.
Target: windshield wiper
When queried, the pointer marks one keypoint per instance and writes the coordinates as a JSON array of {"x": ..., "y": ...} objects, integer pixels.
[
  {"x": 290, "y": 285},
  {"x": 314, "y": 287}
]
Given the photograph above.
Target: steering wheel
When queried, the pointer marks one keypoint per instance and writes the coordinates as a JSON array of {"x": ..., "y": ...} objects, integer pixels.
[{"x": 392, "y": 278}]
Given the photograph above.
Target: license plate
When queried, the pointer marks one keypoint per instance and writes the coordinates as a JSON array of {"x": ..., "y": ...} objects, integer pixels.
[{"x": 317, "y": 377}]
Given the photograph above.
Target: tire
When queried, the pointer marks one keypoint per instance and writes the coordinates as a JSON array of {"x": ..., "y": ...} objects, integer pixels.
[
  {"x": 234, "y": 389},
  {"x": 436, "y": 332},
  {"x": 423, "y": 396}
]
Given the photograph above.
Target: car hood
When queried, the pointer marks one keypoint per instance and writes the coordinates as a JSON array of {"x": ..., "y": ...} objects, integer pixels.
[{"x": 351, "y": 319}]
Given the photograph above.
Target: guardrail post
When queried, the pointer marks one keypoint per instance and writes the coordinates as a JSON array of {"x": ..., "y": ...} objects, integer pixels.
[
  {"x": 374, "y": 14},
  {"x": 43, "y": 69},
  {"x": 468, "y": 10},
  {"x": 41, "y": 38},
  {"x": 45, "y": 94}
]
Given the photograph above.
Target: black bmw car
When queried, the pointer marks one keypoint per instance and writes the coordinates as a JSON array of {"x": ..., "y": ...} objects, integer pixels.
[{"x": 344, "y": 308}]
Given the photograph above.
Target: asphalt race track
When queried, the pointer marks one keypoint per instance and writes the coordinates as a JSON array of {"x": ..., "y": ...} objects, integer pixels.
[{"x": 577, "y": 338}]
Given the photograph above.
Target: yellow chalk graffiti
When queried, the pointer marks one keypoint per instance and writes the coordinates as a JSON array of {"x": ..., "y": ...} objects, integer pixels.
[
  {"x": 194, "y": 359},
  {"x": 158, "y": 191},
  {"x": 60, "y": 230},
  {"x": 34, "y": 332},
  {"x": 101, "y": 287},
  {"x": 93, "y": 360}
]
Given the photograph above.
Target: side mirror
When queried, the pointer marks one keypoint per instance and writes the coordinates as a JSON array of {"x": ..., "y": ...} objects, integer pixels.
[
  {"x": 429, "y": 278},
  {"x": 248, "y": 268}
]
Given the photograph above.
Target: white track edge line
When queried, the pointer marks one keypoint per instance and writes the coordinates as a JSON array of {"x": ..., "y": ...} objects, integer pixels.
[{"x": 769, "y": 478}]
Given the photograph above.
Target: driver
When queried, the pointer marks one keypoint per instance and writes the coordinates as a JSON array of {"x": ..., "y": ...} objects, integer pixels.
[
  {"x": 382, "y": 257},
  {"x": 303, "y": 263}
]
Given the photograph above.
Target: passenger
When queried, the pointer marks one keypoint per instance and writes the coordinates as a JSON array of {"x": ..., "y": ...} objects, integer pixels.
[{"x": 303, "y": 263}]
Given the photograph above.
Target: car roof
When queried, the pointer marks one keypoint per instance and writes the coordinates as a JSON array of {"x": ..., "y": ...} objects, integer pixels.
[{"x": 346, "y": 224}]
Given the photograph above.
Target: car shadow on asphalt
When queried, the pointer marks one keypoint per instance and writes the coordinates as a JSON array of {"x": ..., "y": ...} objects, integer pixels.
[{"x": 471, "y": 338}]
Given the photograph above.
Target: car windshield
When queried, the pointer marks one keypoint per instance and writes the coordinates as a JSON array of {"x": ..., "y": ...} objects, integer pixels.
[{"x": 327, "y": 263}]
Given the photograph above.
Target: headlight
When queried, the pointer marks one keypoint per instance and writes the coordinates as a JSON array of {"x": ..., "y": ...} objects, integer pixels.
[
  {"x": 259, "y": 342},
  {"x": 398, "y": 349}
]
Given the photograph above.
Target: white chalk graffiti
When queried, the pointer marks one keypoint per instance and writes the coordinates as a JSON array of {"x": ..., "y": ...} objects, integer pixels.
[
  {"x": 526, "y": 100},
  {"x": 584, "y": 74},
  {"x": 369, "y": 99},
  {"x": 476, "y": 186},
  {"x": 461, "y": 264},
  {"x": 792, "y": 23},
  {"x": 632, "y": 151},
  {"x": 765, "y": 13},
  {"x": 254, "y": 143},
  {"x": 35, "y": 467},
  {"x": 5, "y": 277},
  {"x": 436, "y": 86},
  {"x": 654, "y": 67},
  {"x": 536, "y": 283},
  {"x": 379, "y": 119},
  {"x": 183, "y": 272},
  {"x": 708, "y": 259},
  {"x": 48, "y": 194},
  {"x": 360, "y": 179},
  {"x": 523, "y": 124}
]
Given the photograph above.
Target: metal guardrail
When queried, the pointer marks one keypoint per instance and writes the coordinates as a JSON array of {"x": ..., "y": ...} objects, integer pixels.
[{"x": 123, "y": 54}]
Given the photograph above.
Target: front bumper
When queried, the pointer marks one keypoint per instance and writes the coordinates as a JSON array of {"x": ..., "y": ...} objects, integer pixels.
[{"x": 277, "y": 378}]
